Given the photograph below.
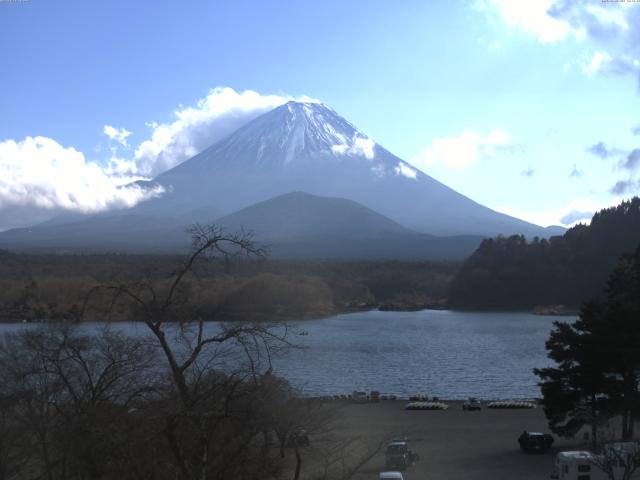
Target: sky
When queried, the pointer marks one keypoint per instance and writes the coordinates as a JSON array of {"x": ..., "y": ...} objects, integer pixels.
[{"x": 530, "y": 108}]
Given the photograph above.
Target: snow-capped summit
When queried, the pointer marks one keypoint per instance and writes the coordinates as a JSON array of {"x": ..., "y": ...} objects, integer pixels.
[
  {"x": 314, "y": 128},
  {"x": 301, "y": 138},
  {"x": 294, "y": 132}
]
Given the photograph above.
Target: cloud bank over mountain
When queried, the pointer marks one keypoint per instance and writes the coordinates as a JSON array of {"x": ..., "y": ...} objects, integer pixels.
[
  {"x": 39, "y": 173},
  {"x": 193, "y": 129},
  {"x": 39, "y": 177}
]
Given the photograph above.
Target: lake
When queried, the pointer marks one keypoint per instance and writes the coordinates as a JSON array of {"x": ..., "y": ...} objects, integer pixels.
[{"x": 450, "y": 354}]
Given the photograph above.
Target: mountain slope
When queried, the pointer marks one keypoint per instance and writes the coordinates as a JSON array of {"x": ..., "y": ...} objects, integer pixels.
[
  {"x": 100, "y": 233},
  {"x": 293, "y": 226},
  {"x": 298, "y": 225},
  {"x": 308, "y": 147},
  {"x": 300, "y": 215}
]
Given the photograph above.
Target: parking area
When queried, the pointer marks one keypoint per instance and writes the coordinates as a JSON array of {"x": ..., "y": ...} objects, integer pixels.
[{"x": 455, "y": 444}]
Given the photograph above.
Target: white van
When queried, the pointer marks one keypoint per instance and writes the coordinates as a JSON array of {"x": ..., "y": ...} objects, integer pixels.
[
  {"x": 583, "y": 465},
  {"x": 576, "y": 466},
  {"x": 390, "y": 476}
]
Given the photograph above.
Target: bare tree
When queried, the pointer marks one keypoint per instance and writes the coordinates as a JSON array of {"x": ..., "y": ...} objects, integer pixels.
[
  {"x": 11, "y": 438},
  {"x": 190, "y": 347},
  {"x": 67, "y": 389},
  {"x": 618, "y": 460},
  {"x": 188, "y": 400}
]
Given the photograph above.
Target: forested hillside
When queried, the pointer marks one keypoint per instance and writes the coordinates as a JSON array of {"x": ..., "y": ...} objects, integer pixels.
[
  {"x": 41, "y": 287},
  {"x": 513, "y": 273}
]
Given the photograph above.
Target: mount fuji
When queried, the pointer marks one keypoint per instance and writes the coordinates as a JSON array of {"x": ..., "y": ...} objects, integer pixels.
[
  {"x": 297, "y": 147},
  {"x": 308, "y": 147}
]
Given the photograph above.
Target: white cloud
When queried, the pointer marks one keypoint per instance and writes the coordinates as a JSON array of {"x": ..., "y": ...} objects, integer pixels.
[
  {"x": 364, "y": 146},
  {"x": 405, "y": 170},
  {"x": 119, "y": 135},
  {"x": 464, "y": 150},
  {"x": 612, "y": 25},
  {"x": 590, "y": 20},
  {"x": 193, "y": 129},
  {"x": 532, "y": 17},
  {"x": 550, "y": 21},
  {"x": 595, "y": 63},
  {"x": 609, "y": 18},
  {"x": 39, "y": 172},
  {"x": 358, "y": 145},
  {"x": 577, "y": 211},
  {"x": 602, "y": 62}
]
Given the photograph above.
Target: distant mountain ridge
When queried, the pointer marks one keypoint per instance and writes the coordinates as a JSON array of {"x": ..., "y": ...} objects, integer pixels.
[
  {"x": 293, "y": 226},
  {"x": 300, "y": 215},
  {"x": 298, "y": 225}
]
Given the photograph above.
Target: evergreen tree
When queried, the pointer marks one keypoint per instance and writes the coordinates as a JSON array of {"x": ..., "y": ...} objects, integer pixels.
[
  {"x": 620, "y": 338},
  {"x": 574, "y": 391},
  {"x": 598, "y": 359}
]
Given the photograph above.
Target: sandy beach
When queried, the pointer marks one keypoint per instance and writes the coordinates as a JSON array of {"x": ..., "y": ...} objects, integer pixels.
[{"x": 455, "y": 444}]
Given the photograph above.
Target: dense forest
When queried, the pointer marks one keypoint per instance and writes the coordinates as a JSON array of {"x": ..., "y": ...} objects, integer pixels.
[
  {"x": 514, "y": 273},
  {"x": 41, "y": 287}
]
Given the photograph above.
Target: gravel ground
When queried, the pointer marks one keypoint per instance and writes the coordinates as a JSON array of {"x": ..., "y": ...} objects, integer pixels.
[{"x": 454, "y": 444}]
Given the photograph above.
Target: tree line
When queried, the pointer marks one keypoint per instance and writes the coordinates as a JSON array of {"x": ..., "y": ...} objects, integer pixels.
[
  {"x": 515, "y": 273},
  {"x": 53, "y": 287}
]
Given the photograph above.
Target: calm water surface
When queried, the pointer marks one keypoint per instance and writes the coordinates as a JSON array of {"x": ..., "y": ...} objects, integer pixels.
[{"x": 445, "y": 353}]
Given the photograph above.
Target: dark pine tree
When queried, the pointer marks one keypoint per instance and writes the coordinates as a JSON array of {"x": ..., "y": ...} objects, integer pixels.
[
  {"x": 620, "y": 338},
  {"x": 598, "y": 360},
  {"x": 574, "y": 392}
]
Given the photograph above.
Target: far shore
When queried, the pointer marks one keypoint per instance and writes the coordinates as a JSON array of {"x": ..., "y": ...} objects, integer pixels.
[{"x": 551, "y": 311}]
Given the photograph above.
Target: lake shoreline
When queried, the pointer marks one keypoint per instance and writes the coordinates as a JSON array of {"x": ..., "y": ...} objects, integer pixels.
[{"x": 545, "y": 311}]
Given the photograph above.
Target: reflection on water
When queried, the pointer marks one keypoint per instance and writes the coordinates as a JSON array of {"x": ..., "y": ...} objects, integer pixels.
[{"x": 449, "y": 354}]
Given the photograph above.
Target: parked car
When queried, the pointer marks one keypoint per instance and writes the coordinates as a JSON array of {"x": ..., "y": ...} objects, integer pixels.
[
  {"x": 398, "y": 456},
  {"x": 472, "y": 403},
  {"x": 535, "y": 441},
  {"x": 359, "y": 397},
  {"x": 390, "y": 476}
]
